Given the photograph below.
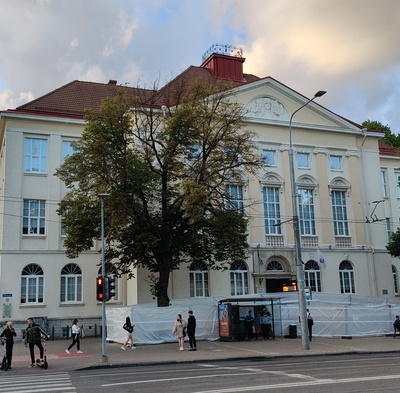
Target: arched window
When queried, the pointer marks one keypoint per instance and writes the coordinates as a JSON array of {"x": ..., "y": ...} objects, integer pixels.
[
  {"x": 395, "y": 279},
  {"x": 239, "y": 282},
  {"x": 71, "y": 283},
  {"x": 312, "y": 276},
  {"x": 275, "y": 265},
  {"x": 32, "y": 282},
  {"x": 198, "y": 279},
  {"x": 346, "y": 276},
  {"x": 111, "y": 272}
]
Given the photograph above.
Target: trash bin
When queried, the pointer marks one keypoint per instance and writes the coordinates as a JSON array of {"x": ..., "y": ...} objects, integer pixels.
[{"x": 292, "y": 331}]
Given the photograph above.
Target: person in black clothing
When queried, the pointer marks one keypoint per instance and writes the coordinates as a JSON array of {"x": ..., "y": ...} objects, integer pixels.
[
  {"x": 191, "y": 330},
  {"x": 396, "y": 325},
  {"x": 33, "y": 337},
  {"x": 9, "y": 334},
  {"x": 310, "y": 323}
]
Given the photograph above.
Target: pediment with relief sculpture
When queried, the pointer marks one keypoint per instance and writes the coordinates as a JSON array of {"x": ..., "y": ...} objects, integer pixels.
[{"x": 266, "y": 108}]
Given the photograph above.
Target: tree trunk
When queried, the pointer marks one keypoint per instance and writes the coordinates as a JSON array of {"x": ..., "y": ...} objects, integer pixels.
[{"x": 162, "y": 292}]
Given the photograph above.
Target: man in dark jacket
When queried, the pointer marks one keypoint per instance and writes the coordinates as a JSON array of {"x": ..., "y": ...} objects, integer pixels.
[
  {"x": 191, "y": 330},
  {"x": 33, "y": 337},
  {"x": 396, "y": 325}
]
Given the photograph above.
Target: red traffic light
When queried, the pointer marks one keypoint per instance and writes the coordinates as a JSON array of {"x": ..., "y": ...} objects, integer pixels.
[{"x": 100, "y": 288}]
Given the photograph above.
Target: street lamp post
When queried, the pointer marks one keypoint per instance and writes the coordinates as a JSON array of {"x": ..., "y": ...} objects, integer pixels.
[
  {"x": 297, "y": 238},
  {"x": 104, "y": 358}
]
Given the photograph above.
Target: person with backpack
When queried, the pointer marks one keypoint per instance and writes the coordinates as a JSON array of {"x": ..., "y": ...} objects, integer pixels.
[{"x": 129, "y": 339}]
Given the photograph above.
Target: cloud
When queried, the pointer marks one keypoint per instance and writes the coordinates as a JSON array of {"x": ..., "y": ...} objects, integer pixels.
[{"x": 345, "y": 47}]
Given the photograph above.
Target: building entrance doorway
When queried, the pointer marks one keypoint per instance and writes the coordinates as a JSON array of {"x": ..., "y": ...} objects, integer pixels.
[{"x": 275, "y": 284}]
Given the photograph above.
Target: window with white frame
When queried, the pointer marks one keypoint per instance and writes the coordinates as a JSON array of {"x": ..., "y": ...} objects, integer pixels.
[
  {"x": 268, "y": 157},
  {"x": 234, "y": 197},
  {"x": 335, "y": 163},
  {"x": 198, "y": 275},
  {"x": 339, "y": 209},
  {"x": 71, "y": 284},
  {"x": 33, "y": 222},
  {"x": 312, "y": 276},
  {"x": 383, "y": 181},
  {"x": 272, "y": 212},
  {"x": 346, "y": 276},
  {"x": 32, "y": 283},
  {"x": 35, "y": 160},
  {"x": 397, "y": 179},
  {"x": 303, "y": 160},
  {"x": 388, "y": 230},
  {"x": 66, "y": 150},
  {"x": 395, "y": 279},
  {"x": 239, "y": 282},
  {"x": 306, "y": 211}
]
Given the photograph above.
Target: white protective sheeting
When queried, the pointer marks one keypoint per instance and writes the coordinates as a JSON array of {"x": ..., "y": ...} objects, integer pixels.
[
  {"x": 153, "y": 325},
  {"x": 335, "y": 315}
]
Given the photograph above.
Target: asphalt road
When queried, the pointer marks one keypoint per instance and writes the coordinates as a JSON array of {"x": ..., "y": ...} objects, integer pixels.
[{"x": 340, "y": 373}]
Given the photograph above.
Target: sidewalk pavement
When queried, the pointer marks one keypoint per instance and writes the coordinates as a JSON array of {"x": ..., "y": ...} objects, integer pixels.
[{"x": 207, "y": 351}]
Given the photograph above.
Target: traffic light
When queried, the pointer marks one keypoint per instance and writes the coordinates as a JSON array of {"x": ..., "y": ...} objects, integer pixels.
[
  {"x": 110, "y": 287},
  {"x": 100, "y": 288}
]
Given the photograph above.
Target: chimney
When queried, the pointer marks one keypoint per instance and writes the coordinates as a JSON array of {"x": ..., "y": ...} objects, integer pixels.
[
  {"x": 112, "y": 82},
  {"x": 224, "y": 62}
]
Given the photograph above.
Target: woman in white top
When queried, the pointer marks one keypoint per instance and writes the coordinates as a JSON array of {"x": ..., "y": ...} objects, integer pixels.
[{"x": 76, "y": 332}]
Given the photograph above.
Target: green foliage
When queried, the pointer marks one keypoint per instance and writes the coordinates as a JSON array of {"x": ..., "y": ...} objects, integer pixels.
[
  {"x": 389, "y": 138},
  {"x": 394, "y": 245},
  {"x": 165, "y": 177}
]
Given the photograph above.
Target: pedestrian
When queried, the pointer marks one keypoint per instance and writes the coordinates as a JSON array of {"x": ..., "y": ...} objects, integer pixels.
[
  {"x": 76, "y": 334},
  {"x": 249, "y": 323},
  {"x": 9, "y": 334},
  {"x": 310, "y": 323},
  {"x": 129, "y": 339},
  {"x": 179, "y": 329},
  {"x": 396, "y": 325},
  {"x": 191, "y": 330},
  {"x": 33, "y": 337},
  {"x": 265, "y": 322}
]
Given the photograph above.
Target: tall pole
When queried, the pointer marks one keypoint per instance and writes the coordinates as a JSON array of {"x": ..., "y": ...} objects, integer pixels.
[
  {"x": 104, "y": 358},
  {"x": 297, "y": 238}
]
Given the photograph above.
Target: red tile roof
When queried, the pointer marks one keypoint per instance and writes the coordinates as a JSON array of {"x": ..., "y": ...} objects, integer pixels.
[
  {"x": 73, "y": 99},
  {"x": 388, "y": 150}
]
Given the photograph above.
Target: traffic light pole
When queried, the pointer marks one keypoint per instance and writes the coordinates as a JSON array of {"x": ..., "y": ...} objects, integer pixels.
[{"x": 104, "y": 358}]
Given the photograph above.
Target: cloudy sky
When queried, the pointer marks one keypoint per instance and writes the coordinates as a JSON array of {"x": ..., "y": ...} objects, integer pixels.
[{"x": 348, "y": 47}]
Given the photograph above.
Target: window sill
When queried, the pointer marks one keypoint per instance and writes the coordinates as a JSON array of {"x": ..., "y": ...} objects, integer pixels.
[
  {"x": 32, "y": 305},
  {"x": 71, "y": 304}
]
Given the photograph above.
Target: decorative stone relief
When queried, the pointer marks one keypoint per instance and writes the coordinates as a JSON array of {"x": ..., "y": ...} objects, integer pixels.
[
  {"x": 354, "y": 153},
  {"x": 320, "y": 150},
  {"x": 266, "y": 108}
]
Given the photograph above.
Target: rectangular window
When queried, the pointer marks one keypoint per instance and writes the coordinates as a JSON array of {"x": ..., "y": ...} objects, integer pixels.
[
  {"x": 388, "y": 230},
  {"x": 239, "y": 283},
  {"x": 33, "y": 217},
  {"x": 306, "y": 211},
  {"x": 71, "y": 288},
  {"x": 234, "y": 197},
  {"x": 397, "y": 179},
  {"x": 303, "y": 160},
  {"x": 339, "y": 209},
  {"x": 383, "y": 180},
  {"x": 66, "y": 150},
  {"x": 335, "y": 163},
  {"x": 32, "y": 289},
  {"x": 268, "y": 157},
  {"x": 272, "y": 212},
  {"x": 35, "y": 155}
]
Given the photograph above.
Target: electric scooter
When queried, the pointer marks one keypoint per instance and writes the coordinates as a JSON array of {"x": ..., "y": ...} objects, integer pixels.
[
  {"x": 4, "y": 363},
  {"x": 44, "y": 365}
]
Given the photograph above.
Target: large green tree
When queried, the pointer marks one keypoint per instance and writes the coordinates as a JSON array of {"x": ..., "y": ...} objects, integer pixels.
[{"x": 165, "y": 173}]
